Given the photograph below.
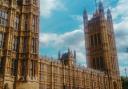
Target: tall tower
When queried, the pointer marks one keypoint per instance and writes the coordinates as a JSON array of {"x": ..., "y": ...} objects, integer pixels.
[
  {"x": 100, "y": 41},
  {"x": 19, "y": 40},
  {"x": 100, "y": 45},
  {"x": 29, "y": 45}
]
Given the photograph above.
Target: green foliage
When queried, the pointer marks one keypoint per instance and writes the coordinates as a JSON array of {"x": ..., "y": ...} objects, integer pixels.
[{"x": 124, "y": 82}]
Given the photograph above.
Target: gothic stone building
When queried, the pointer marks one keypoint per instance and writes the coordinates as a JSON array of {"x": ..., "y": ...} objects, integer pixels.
[{"x": 22, "y": 68}]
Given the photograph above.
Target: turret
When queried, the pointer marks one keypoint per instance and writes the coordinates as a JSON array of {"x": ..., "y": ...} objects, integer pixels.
[
  {"x": 75, "y": 54},
  {"x": 68, "y": 58},
  {"x": 109, "y": 16}
]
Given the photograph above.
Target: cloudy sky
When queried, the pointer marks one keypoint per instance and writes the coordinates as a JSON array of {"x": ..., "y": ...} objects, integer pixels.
[{"x": 61, "y": 27}]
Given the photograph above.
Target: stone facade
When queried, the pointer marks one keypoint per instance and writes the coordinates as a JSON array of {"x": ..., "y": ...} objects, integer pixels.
[
  {"x": 64, "y": 73},
  {"x": 22, "y": 68},
  {"x": 19, "y": 20}
]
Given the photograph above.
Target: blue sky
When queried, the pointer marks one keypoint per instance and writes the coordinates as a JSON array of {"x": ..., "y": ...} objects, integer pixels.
[{"x": 61, "y": 27}]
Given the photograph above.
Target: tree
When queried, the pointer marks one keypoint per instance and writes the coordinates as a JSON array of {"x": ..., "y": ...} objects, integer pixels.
[{"x": 124, "y": 82}]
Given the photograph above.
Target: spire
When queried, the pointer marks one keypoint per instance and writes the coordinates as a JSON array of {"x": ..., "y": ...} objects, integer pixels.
[
  {"x": 101, "y": 8},
  {"x": 109, "y": 15},
  {"x": 85, "y": 17},
  {"x": 59, "y": 55},
  {"x": 69, "y": 50},
  {"x": 75, "y": 57},
  {"x": 74, "y": 54}
]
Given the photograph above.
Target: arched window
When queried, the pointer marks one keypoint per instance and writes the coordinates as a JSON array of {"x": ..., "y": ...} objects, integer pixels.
[
  {"x": 16, "y": 23},
  {"x": 34, "y": 23},
  {"x": 13, "y": 68},
  {"x": 115, "y": 85},
  {"x": 6, "y": 86},
  {"x": 1, "y": 65},
  {"x": 26, "y": 22},
  {"x": 32, "y": 69},
  {"x": 1, "y": 40},
  {"x": 15, "y": 42},
  {"x": 24, "y": 65}
]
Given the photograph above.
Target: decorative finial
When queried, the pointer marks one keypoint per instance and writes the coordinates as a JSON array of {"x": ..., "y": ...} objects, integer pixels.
[
  {"x": 85, "y": 17},
  {"x": 101, "y": 8},
  {"x": 75, "y": 57},
  {"x": 74, "y": 54},
  {"x": 109, "y": 16},
  {"x": 85, "y": 14},
  {"x": 59, "y": 55},
  {"x": 68, "y": 50}
]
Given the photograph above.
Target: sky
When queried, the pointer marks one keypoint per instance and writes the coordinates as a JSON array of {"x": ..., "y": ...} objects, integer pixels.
[{"x": 61, "y": 27}]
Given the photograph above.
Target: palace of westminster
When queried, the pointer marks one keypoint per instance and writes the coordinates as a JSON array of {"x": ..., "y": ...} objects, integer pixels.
[{"x": 21, "y": 67}]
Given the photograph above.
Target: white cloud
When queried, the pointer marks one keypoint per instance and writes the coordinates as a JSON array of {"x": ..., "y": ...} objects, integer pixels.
[
  {"x": 67, "y": 39},
  {"x": 120, "y": 16},
  {"x": 73, "y": 40},
  {"x": 48, "y": 6},
  {"x": 121, "y": 9}
]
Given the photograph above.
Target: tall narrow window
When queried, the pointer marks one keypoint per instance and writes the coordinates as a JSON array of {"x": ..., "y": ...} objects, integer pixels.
[
  {"x": 36, "y": 44},
  {"x": 95, "y": 40},
  {"x": 115, "y": 85},
  {"x": 1, "y": 40},
  {"x": 101, "y": 63},
  {"x": 17, "y": 23},
  {"x": 33, "y": 45},
  {"x": 41, "y": 72},
  {"x": 3, "y": 18},
  {"x": 33, "y": 68},
  {"x": 24, "y": 44},
  {"x": 99, "y": 39},
  {"x": 25, "y": 22},
  {"x": 24, "y": 64},
  {"x": 1, "y": 64},
  {"x": 15, "y": 44},
  {"x": 6, "y": 17},
  {"x": 94, "y": 63},
  {"x": 34, "y": 23},
  {"x": 14, "y": 66},
  {"x": 92, "y": 43}
]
